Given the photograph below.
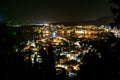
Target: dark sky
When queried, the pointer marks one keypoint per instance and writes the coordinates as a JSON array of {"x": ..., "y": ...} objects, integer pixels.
[{"x": 43, "y": 11}]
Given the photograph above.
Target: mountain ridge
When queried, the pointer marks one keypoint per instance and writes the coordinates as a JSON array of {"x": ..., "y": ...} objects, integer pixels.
[{"x": 106, "y": 20}]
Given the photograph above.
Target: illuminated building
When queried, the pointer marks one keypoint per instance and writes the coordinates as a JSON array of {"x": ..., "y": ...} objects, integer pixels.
[{"x": 68, "y": 41}]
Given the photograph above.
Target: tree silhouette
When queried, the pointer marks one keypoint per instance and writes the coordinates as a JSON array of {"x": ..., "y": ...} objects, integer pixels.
[
  {"x": 11, "y": 62},
  {"x": 115, "y": 8},
  {"x": 90, "y": 70},
  {"x": 51, "y": 63}
]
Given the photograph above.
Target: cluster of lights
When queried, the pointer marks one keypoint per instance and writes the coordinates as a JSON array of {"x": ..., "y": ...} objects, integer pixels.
[{"x": 57, "y": 36}]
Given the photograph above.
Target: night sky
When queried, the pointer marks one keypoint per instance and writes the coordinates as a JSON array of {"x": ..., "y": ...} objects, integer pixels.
[{"x": 47, "y": 11}]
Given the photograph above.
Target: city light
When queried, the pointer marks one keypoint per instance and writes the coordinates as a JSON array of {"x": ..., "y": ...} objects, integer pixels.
[{"x": 70, "y": 44}]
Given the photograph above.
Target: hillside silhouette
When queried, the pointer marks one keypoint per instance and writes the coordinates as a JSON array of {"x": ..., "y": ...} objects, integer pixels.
[{"x": 106, "y": 20}]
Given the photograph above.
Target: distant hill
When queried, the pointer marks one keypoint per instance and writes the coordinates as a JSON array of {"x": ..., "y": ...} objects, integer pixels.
[
  {"x": 104, "y": 20},
  {"x": 100, "y": 21}
]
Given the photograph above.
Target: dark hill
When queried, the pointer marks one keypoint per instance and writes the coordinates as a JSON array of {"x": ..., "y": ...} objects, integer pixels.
[{"x": 100, "y": 21}]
